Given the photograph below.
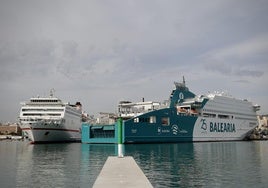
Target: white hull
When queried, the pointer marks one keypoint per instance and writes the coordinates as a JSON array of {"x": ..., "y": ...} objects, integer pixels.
[
  {"x": 221, "y": 130},
  {"x": 48, "y": 119},
  {"x": 50, "y": 133}
]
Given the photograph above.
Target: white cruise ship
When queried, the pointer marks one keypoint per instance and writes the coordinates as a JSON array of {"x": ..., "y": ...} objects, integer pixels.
[{"x": 48, "y": 119}]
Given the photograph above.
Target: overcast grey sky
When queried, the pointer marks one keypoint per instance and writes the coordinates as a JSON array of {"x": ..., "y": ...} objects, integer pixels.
[{"x": 100, "y": 52}]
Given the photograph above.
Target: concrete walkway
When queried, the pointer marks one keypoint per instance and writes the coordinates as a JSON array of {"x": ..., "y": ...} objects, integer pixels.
[{"x": 121, "y": 172}]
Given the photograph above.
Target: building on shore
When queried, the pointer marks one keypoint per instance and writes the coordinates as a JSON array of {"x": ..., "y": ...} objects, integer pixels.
[
  {"x": 10, "y": 129},
  {"x": 261, "y": 131},
  {"x": 263, "y": 121}
]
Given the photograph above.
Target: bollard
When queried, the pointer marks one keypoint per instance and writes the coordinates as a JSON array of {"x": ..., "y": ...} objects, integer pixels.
[{"x": 120, "y": 139}]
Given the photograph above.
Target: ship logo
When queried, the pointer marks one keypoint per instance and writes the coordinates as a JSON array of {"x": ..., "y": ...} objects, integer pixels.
[
  {"x": 175, "y": 129},
  {"x": 159, "y": 130},
  {"x": 181, "y": 96},
  {"x": 203, "y": 124}
]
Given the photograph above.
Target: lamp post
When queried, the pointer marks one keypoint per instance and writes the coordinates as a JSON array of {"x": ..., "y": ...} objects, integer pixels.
[{"x": 120, "y": 137}]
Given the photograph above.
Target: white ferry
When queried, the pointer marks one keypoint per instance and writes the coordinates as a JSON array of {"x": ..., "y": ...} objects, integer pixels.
[{"x": 48, "y": 119}]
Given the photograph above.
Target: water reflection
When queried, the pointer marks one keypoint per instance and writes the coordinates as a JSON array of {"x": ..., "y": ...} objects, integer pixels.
[
  {"x": 219, "y": 164},
  {"x": 61, "y": 165},
  {"x": 231, "y": 163},
  {"x": 49, "y": 165},
  {"x": 92, "y": 160},
  {"x": 164, "y": 164}
]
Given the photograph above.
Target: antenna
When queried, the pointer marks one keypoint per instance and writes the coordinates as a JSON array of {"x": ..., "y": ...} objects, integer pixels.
[
  {"x": 52, "y": 91},
  {"x": 183, "y": 80}
]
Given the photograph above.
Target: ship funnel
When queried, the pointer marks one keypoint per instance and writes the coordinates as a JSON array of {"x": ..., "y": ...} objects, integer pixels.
[{"x": 180, "y": 93}]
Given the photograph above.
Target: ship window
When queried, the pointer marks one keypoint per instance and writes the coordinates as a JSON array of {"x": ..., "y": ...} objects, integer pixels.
[
  {"x": 152, "y": 119},
  {"x": 223, "y": 116},
  {"x": 209, "y": 115},
  {"x": 54, "y": 114},
  {"x": 165, "y": 121},
  {"x": 136, "y": 120},
  {"x": 145, "y": 119},
  {"x": 31, "y": 114}
]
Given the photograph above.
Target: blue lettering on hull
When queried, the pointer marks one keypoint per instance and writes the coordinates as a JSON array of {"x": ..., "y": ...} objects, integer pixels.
[{"x": 222, "y": 127}]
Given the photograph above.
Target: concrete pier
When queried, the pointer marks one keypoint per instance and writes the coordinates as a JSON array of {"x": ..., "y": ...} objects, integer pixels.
[{"x": 121, "y": 172}]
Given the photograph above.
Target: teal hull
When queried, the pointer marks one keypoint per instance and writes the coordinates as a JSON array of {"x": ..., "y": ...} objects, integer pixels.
[{"x": 179, "y": 129}]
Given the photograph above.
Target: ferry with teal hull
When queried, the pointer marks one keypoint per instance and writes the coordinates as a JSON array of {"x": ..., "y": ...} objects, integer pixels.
[{"x": 185, "y": 117}]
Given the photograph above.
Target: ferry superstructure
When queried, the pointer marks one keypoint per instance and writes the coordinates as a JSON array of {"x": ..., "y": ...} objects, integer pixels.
[
  {"x": 48, "y": 119},
  {"x": 183, "y": 117}
]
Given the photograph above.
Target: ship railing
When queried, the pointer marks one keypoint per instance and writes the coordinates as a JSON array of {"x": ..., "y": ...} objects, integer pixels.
[
  {"x": 130, "y": 115},
  {"x": 52, "y": 120},
  {"x": 46, "y": 120}
]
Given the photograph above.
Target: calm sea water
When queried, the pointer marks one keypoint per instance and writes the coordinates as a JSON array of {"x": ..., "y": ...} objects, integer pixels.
[{"x": 212, "y": 164}]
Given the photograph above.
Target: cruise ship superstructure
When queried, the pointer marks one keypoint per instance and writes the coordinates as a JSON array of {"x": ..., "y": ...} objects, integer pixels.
[{"x": 48, "y": 119}]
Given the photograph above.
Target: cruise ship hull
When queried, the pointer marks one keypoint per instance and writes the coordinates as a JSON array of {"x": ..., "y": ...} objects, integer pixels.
[{"x": 43, "y": 134}]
